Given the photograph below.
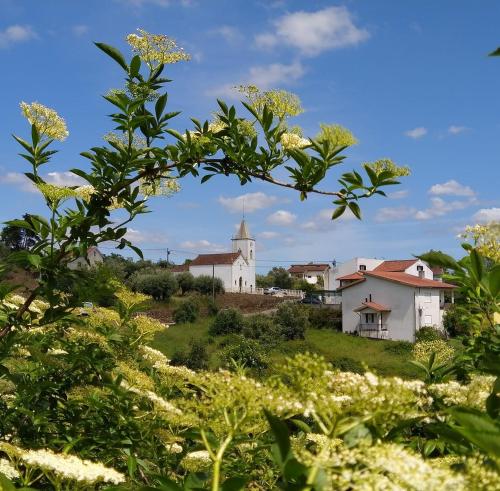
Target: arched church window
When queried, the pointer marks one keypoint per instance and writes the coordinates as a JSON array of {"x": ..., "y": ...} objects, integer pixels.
[{"x": 251, "y": 254}]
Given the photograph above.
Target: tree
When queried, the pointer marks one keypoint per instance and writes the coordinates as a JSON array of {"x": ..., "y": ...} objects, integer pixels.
[
  {"x": 186, "y": 282},
  {"x": 280, "y": 278},
  {"x": 19, "y": 238},
  {"x": 145, "y": 157}
]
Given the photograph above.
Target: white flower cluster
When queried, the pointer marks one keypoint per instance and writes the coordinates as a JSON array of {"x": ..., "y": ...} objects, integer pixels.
[
  {"x": 158, "y": 401},
  {"x": 153, "y": 355},
  {"x": 196, "y": 461},
  {"x": 293, "y": 141},
  {"x": 71, "y": 467},
  {"x": 173, "y": 448},
  {"x": 8, "y": 470},
  {"x": 473, "y": 394}
]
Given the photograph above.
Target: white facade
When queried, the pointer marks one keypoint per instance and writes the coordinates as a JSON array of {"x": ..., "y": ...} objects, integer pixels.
[
  {"x": 94, "y": 258},
  {"x": 236, "y": 269},
  {"x": 417, "y": 268},
  {"x": 411, "y": 308}
]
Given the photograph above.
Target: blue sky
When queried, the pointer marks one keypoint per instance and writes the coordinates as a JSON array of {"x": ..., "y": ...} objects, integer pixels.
[{"x": 410, "y": 79}]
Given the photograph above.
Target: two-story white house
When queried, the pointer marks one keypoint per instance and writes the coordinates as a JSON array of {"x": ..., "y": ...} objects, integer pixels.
[
  {"x": 393, "y": 300},
  {"x": 313, "y": 273}
]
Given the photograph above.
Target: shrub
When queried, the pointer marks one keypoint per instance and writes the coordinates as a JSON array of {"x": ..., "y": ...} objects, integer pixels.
[
  {"x": 348, "y": 364},
  {"x": 429, "y": 333},
  {"x": 243, "y": 351},
  {"x": 206, "y": 285},
  {"x": 262, "y": 328},
  {"x": 97, "y": 286},
  {"x": 423, "y": 350},
  {"x": 457, "y": 321},
  {"x": 212, "y": 307},
  {"x": 325, "y": 318},
  {"x": 227, "y": 321},
  {"x": 293, "y": 320},
  {"x": 195, "y": 359},
  {"x": 186, "y": 282},
  {"x": 186, "y": 311},
  {"x": 399, "y": 347},
  {"x": 160, "y": 284}
]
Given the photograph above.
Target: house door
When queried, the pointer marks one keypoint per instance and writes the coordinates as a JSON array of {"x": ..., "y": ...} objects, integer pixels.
[{"x": 240, "y": 283}]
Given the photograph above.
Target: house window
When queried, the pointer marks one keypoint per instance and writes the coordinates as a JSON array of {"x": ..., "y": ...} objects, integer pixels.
[
  {"x": 370, "y": 318},
  {"x": 362, "y": 267},
  {"x": 427, "y": 296},
  {"x": 420, "y": 268}
]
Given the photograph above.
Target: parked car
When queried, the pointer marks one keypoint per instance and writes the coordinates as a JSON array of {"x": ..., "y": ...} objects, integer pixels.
[
  {"x": 272, "y": 290},
  {"x": 311, "y": 301},
  {"x": 86, "y": 309}
]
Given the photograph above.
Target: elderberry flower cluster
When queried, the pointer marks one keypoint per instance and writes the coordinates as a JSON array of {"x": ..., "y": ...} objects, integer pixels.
[{"x": 47, "y": 122}]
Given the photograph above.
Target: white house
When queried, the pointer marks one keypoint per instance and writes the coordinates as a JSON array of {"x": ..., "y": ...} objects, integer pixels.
[
  {"x": 391, "y": 304},
  {"x": 236, "y": 269},
  {"x": 311, "y": 272},
  {"x": 342, "y": 273},
  {"x": 94, "y": 257}
]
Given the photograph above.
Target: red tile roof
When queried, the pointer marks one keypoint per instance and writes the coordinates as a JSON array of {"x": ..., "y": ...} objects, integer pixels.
[
  {"x": 304, "y": 268},
  {"x": 408, "y": 279},
  {"x": 210, "y": 259},
  {"x": 396, "y": 265},
  {"x": 352, "y": 276},
  {"x": 372, "y": 305},
  {"x": 401, "y": 278},
  {"x": 180, "y": 268}
]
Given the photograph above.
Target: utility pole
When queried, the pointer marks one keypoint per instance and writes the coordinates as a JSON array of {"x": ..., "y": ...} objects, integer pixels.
[
  {"x": 168, "y": 255},
  {"x": 213, "y": 282}
]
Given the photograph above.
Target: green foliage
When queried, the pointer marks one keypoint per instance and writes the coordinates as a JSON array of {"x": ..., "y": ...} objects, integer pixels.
[
  {"x": 399, "y": 347},
  {"x": 245, "y": 352},
  {"x": 347, "y": 364},
  {"x": 186, "y": 282},
  {"x": 325, "y": 318},
  {"x": 19, "y": 238},
  {"x": 186, "y": 311},
  {"x": 429, "y": 333},
  {"x": 276, "y": 277},
  {"x": 98, "y": 285},
  {"x": 206, "y": 285},
  {"x": 160, "y": 284},
  {"x": 195, "y": 358},
  {"x": 457, "y": 321},
  {"x": 227, "y": 321},
  {"x": 293, "y": 320},
  {"x": 262, "y": 328}
]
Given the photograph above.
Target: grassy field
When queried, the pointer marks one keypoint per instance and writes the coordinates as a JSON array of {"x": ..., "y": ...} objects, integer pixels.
[{"x": 344, "y": 351}]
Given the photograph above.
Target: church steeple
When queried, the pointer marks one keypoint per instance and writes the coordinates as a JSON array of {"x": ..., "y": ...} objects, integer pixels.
[{"x": 243, "y": 231}]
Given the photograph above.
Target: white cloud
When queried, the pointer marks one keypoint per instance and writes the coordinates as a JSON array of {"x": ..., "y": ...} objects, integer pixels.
[
  {"x": 140, "y": 237},
  {"x": 486, "y": 215},
  {"x": 322, "y": 221},
  {"x": 270, "y": 76},
  {"x": 16, "y": 34},
  {"x": 282, "y": 217},
  {"x": 403, "y": 193},
  {"x": 314, "y": 32},
  {"x": 263, "y": 76},
  {"x": 80, "y": 29},
  {"x": 249, "y": 202},
  {"x": 416, "y": 133},
  {"x": 21, "y": 182},
  {"x": 395, "y": 214},
  {"x": 230, "y": 34},
  {"x": 451, "y": 188},
  {"x": 440, "y": 207},
  {"x": 202, "y": 246},
  {"x": 268, "y": 235},
  {"x": 455, "y": 130}
]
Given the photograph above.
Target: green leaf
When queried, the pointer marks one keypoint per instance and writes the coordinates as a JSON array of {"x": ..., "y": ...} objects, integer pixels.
[
  {"x": 113, "y": 53},
  {"x": 356, "y": 210},
  {"x": 233, "y": 484},
  {"x": 280, "y": 432},
  {"x": 338, "y": 212},
  {"x": 160, "y": 105},
  {"x": 135, "y": 66},
  {"x": 495, "y": 53},
  {"x": 436, "y": 258},
  {"x": 6, "y": 484}
]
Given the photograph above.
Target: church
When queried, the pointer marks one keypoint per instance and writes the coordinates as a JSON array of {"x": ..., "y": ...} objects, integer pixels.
[{"x": 236, "y": 269}]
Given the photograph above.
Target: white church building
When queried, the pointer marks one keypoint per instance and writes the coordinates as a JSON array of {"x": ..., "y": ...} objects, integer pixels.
[{"x": 236, "y": 269}]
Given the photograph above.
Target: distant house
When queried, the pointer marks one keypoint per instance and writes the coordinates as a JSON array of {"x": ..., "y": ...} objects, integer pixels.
[
  {"x": 94, "y": 258},
  {"x": 236, "y": 269},
  {"x": 311, "y": 272},
  {"x": 391, "y": 304}
]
